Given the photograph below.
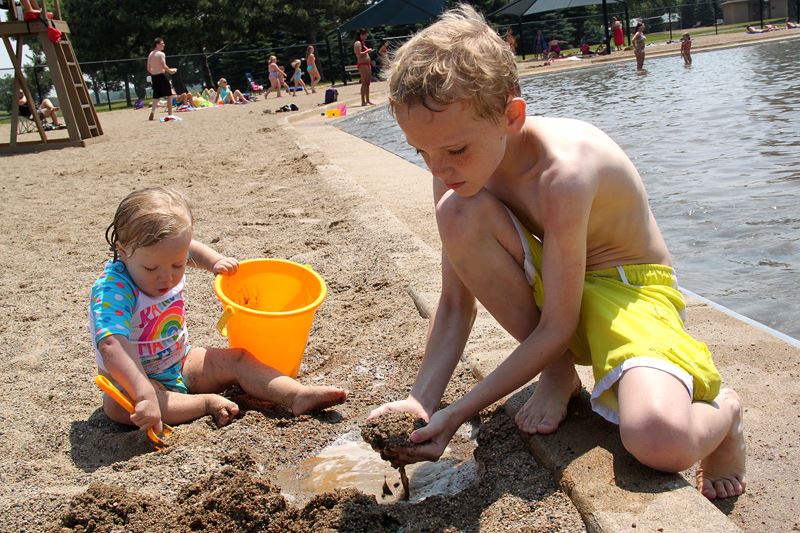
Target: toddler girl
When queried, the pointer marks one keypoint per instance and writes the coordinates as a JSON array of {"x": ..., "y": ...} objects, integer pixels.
[
  {"x": 138, "y": 326},
  {"x": 297, "y": 77}
]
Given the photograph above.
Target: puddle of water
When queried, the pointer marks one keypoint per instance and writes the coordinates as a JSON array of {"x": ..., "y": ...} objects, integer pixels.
[{"x": 350, "y": 462}]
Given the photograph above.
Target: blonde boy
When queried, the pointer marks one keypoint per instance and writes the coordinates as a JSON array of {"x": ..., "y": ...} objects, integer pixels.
[{"x": 546, "y": 222}]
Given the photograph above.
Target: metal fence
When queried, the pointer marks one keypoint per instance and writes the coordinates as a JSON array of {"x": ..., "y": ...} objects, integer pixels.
[{"x": 120, "y": 82}]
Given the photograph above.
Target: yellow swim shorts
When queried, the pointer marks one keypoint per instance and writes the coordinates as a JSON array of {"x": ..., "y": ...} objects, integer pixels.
[{"x": 630, "y": 316}]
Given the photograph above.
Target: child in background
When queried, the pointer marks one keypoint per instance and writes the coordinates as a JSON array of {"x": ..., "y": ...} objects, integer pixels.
[
  {"x": 546, "y": 222},
  {"x": 274, "y": 76},
  {"x": 311, "y": 67},
  {"x": 138, "y": 326},
  {"x": 297, "y": 77},
  {"x": 686, "y": 49}
]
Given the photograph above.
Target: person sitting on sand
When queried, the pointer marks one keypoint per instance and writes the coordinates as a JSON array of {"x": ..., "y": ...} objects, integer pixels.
[
  {"x": 228, "y": 95},
  {"x": 138, "y": 325},
  {"x": 45, "y": 110},
  {"x": 791, "y": 25},
  {"x": 546, "y": 222},
  {"x": 554, "y": 48},
  {"x": 765, "y": 29}
]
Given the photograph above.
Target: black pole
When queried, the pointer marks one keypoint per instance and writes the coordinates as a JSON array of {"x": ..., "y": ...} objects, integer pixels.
[
  {"x": 36, "y": 79},
  {"x": 128, "y": 91},
  {"x": 669, "y": 14},
  {"x": 105, "y": 81},
  {"x": 761, "y": 12},
  {"x": 341, "y": 56},
  {"x": 208, "y": 68},
  {"x": 605, "y": 28},
  {"x": 520, "y": 45},
  {"x": 331, "y": 70},
  {"x": 797, "y": 11},
  {"x": 714, "y": 7},
  {"x": 627, "y": 24}
]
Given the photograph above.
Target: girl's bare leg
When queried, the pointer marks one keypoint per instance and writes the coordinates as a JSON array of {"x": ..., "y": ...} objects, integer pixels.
[
  {"x": 177, "y": 408},
  {"x": 215, "y": 369},
  {"x": 664, "y": 429},
  {"x": 482, "y": 223}
]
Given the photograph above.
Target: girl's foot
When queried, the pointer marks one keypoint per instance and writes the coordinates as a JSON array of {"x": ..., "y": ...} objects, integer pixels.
[
  {"x": 721, "y": 474},
  {"x": 315, "y": 398},
  {"x": 221, "y": 409}
]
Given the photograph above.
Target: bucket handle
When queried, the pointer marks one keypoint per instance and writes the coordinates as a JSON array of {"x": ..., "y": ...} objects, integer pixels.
[{"x": 222, "y": 323}]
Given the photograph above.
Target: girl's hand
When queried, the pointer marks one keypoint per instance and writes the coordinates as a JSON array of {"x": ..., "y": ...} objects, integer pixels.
[
  {"x": 226, "y": 265},
  {"x": 147, "y": 414}
]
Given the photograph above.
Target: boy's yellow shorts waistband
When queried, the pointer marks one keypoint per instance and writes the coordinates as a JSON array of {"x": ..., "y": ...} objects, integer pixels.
[{"x": 631, "y": 316}]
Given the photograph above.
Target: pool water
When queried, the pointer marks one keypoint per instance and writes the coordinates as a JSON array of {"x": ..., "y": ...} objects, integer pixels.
[{"x": 716, "y": 145}]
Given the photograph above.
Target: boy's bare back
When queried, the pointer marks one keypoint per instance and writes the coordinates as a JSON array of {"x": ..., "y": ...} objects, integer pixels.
[{"x": 565, "y": 155}]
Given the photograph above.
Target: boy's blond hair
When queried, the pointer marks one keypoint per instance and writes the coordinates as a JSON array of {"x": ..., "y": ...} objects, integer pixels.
[
  {"x": 459, "y": 58},
  {"x": 148, "y": 216}
]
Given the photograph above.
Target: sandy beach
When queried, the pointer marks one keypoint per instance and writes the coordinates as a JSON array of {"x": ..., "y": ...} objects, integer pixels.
[{"x": 259, "y": 188}]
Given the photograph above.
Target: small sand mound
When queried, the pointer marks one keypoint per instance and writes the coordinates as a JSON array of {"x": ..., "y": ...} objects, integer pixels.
[{"x": 106, "y": 507}]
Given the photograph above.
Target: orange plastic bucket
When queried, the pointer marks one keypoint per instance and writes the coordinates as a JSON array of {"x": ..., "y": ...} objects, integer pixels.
[{"x": 268, "y": 307}]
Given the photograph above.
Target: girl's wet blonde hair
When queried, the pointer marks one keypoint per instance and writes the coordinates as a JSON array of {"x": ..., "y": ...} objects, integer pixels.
[
  {"x": 148, "y": 216},
  {"x": 459, "y": 58}
]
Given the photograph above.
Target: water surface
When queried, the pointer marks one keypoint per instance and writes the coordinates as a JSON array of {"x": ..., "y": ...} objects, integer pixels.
[{"x": 717, "y": 147}]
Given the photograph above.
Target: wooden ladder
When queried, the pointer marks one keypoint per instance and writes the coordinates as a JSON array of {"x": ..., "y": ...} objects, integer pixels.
[{"x": 80, "y": 103}]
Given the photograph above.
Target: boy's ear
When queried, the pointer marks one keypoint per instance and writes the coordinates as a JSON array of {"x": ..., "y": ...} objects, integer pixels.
[{"x": 515, "y": 113}]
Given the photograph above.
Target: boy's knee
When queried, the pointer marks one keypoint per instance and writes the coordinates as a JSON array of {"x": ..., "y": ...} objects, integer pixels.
[
  {"x": 459, "y": 217},
  {"x": 660, "y": 442}
]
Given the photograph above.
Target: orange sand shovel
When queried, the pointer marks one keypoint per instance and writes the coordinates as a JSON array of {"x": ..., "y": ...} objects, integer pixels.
[{"x": 119, "y": 397}]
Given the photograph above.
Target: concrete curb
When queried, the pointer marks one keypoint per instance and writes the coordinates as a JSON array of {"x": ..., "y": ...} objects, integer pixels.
[{"x": 609, "y": 488}]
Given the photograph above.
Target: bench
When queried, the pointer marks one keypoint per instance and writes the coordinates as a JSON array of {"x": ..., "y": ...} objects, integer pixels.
[{"x": 352, "y": 71}]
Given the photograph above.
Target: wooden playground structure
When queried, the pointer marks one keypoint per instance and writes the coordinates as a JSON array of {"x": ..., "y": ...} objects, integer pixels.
[{"x": 74, "y": 102}]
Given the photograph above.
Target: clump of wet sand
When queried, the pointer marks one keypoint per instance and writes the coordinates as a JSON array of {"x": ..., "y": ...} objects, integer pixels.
[{"x": 392, "y": 430}]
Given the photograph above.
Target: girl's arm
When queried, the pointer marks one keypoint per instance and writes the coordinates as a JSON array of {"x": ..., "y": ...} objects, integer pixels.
[
  {"x": 202, "y": 256},
  {"x": 121, "y": 361}
]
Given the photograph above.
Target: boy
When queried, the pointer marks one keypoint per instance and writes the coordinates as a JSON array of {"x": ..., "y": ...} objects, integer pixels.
[
  {"x": 546, "y": 222},
  {"x": 158, "y": 69}
]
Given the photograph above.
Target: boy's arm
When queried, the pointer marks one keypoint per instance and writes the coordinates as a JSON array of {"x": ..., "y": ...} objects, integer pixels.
[
  {"x": 447, "y": 335},
  {"x": 565, "y": 222},
  {"x": 202, "y": 256},
  {"x": 119, "y": 358}
]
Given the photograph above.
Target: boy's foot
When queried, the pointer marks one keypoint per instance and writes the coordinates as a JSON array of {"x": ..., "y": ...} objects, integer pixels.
[
  {"x": 721, "y": 474},
  {"x": 315, "y": 398},
  {"x": 547, "y": 407},
  {"x": 151, "y": 116},
  {"x": 221, "y": 409}
]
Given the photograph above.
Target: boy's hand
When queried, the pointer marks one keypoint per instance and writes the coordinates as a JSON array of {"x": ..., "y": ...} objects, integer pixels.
[
  {"x": 436, "y": 435},
  {"x": 226, "y": 265},
  {"x": 147, "y": 414}
]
